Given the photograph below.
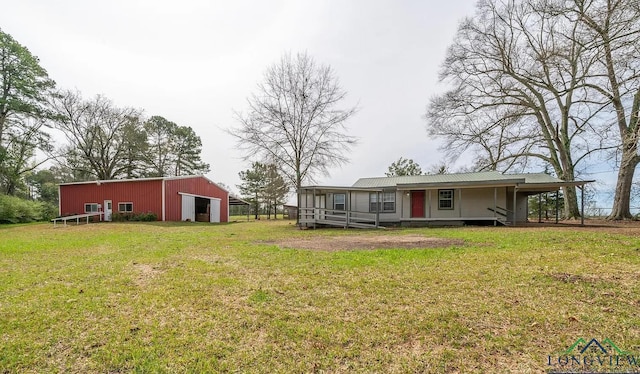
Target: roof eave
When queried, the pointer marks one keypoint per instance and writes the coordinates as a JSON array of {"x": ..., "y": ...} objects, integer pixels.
[
  {"x": 100, "y": 181},
  {"x": 343, "y": 189},
  {"x": 467, "y": 184},
  {"x": 551, "y": 185}
]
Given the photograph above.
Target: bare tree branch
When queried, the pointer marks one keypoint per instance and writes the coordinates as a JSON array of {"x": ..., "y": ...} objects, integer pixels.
[{"x": 293, "y": 120}]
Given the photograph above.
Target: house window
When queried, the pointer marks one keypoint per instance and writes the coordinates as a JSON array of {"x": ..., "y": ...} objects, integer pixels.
[
  {"x": 125, "y": 207},
  {"x": 373, "y": 202},
  {"x": 445, "y": 199},
  {"x": 90, "y": 207},
  {"x": 387, "y": 203},
  {"x": 339, "y": 201}
]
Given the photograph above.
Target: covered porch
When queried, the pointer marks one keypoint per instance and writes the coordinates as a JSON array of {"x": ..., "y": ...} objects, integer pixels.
[
  {"x": 504, "y": 202},
  {"x": 337, "y": 206},
  {"x": 456, "y": 206}
]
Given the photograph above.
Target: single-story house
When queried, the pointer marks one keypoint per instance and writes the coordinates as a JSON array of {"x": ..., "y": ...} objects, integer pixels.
[
  {"x": 182, "y": 198},
  {"x": 445, "y": 199}
]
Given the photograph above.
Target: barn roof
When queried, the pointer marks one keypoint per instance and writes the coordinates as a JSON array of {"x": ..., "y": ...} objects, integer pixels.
[
  {"x": 137, "y": 180},
  {"x": 233, "y": 200}
]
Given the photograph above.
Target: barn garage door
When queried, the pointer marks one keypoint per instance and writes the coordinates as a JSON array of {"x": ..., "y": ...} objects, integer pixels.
[
  {"x": 188, "y": 208},
  {"x": 194, "y": 206},
  {"x": 215, "y": 210}
]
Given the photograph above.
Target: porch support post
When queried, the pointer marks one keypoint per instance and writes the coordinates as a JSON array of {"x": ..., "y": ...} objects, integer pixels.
[
  {"x": 581, "y": 205},
  {"x": 515, "y": 202},
  {"x": 557, "y": 194},
  {"x": 378, "y": 206},
  {"x": 540, "y": 207},
  {"x": 429, "y": 203},
  {"x": 460, "y": 202},
  {"x": 495, "y": 206},
  {"x": 313, "y": 199},
  {"x": 299, "y": 209},
  {"x": 348, "y": 206},
  {"x": 546, "y": 210}
]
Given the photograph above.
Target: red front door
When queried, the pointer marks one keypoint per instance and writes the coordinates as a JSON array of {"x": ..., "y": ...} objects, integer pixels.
[{"x": 417, "y": 204}]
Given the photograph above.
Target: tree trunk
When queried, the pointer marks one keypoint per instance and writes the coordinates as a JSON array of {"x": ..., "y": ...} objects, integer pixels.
[
  {"x": 3, "y": 119},
  {"x": 10, "y": 188},
  {"x": 275, "y": 209},
  {"x": 621, "y": 201},
  {"x": 571, "y": 208},
  {"x": 257, "y": 205}
]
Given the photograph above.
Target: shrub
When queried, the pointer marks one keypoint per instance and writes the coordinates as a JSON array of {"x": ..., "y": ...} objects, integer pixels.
[
  {"x": 48, "y": 211},
  {"x": 119, "y": 217},
  {"x": 16, "y": 210},
  {"x": 145, "y": 217},
  {"x": 139, "y": 217}
]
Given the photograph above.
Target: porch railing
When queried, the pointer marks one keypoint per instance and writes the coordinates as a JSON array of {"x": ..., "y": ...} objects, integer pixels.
[
  {"x": 340, "y": 218},
  {"x": 502, "y": 214}
]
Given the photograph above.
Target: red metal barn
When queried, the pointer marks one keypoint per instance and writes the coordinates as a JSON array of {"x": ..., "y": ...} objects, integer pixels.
[{"x": 184, "y": 198}]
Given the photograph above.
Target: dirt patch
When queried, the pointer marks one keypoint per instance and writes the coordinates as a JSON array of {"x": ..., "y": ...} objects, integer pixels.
[
  {"x": 145, "y": 273},
  {"x": 570, "y": 278},
  {"x": 346, "y": 243}
]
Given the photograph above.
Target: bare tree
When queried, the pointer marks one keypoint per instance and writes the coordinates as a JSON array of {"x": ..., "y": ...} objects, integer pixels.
[
  {"x": 614, "y": 26},
  {"x": 518, "y": 72},
  {"x": 294, "y": 120},
  {"x": 99, "y": 136}
]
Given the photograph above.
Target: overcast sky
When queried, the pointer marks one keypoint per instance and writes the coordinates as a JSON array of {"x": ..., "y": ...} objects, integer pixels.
[{"x": 196, "y": 62}]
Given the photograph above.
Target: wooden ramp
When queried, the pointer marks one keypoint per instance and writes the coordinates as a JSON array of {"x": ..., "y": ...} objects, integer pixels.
[{"x": 76, "y": 218}]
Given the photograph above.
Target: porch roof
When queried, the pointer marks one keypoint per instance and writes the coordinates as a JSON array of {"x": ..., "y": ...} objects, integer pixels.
[
  {"x": 341, "y": 188},
  {"x": 524, "y": 182}
]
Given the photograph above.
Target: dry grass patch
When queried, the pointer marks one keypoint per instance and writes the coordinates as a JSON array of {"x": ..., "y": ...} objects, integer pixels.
[
  {"x": 359, "y": 242},
  {"x": 145, "y": 273}
]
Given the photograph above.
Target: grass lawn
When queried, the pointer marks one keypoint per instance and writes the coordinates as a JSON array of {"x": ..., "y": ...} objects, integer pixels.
[{"x": 191, "y": 297}]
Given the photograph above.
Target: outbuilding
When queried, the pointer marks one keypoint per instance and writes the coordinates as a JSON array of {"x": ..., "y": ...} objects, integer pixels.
[{"x": 183, "y": 198}]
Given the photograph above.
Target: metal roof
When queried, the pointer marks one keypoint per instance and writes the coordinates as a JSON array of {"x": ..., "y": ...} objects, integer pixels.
[
  {"x": 480, "y": 178},
  {"x": 234, "y": 200},
  {"x": 98, "y": 182},
  {"x": 135, "y": 179},
  {"x": 340, "y": 188}
]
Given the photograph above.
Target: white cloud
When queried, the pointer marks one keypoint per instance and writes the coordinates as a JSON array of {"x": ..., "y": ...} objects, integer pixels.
[{"x": 195, "y": 62}]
